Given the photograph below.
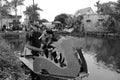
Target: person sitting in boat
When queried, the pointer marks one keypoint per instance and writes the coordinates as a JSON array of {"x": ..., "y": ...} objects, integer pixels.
[
  {"x": 49, "y": 49},
  {"x": 32, "y": 41},
  {"x": 38, "y": 40},
  {"x": 47, "y": 41}
]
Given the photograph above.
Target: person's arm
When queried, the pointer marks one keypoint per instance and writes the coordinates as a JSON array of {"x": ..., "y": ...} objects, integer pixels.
[{"x": 32, "y": 47}]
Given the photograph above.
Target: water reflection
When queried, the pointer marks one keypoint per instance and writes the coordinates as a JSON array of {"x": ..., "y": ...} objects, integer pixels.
[
  {"x": 107, "y": 52},
  {"x": 102, "y": 55},
  {"x": 103, "y": 58}
]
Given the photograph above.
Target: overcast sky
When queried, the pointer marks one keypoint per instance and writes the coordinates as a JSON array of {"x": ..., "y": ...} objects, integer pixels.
[{"x": 51, "y": 8}]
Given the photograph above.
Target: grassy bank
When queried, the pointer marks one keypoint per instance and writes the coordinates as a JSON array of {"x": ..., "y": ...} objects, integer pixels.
[{"x": 10, "y": 65}]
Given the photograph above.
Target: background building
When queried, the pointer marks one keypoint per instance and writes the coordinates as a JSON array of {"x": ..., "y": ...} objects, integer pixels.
[
  {"x": 84, "y": 11},
  {"x": 9, "y": 20},
  {"x": 95, "y": 22}
]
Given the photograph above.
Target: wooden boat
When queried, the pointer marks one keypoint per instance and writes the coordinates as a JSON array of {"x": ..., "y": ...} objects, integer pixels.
[{"x": 68, "y": 64}]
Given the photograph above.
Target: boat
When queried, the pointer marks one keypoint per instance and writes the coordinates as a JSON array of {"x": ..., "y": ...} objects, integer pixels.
[{"x": 68, "y": 64}]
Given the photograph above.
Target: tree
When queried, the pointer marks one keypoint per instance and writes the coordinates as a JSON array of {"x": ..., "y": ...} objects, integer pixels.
[
  {"x": 62, "y": 18},
  {"x": 32, "y": 12},
  {"x": 43, "y": 20},
  {"x": 69, "y": 21},
  {"x": 13, "y": 5},
  {"x": 4, "y": 9},
  {"x": 111, "y": 9},
  {"x": 10, "y": 65},
  {"x": 106, "y": 8},
  {"x": 77, "y": 24},
  {"x": 118, "y": 6},
  {"x": 117, "y": 16}
]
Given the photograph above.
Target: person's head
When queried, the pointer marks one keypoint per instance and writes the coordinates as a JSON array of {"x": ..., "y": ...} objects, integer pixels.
[
  {"x": 50, "y": 33},
  {"x": 33, "y": 26}
]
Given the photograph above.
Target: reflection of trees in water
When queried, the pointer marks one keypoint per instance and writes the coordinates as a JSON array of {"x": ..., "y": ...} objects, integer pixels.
[
  {"x": 92, "y": 44},
  {"x": 107, "y": 51}
]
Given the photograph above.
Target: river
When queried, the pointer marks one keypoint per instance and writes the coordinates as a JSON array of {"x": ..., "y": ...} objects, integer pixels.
[{"x": 102, "y": 56}]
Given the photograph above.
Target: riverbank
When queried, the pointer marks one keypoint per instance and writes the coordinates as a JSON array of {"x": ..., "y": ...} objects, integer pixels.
[
  {"x": 103, "y": 35},
  {"x": 91, "y": 34},
  {"x": 13, "y": 34},
  {"x": 11, "y": 66}
]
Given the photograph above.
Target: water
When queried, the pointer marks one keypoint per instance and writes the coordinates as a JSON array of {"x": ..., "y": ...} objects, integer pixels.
[{"x": 102, "y": 56}]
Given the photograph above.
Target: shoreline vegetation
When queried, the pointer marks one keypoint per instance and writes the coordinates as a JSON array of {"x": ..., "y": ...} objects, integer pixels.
[
  {"x": 11, "y": 66},
  {"x": 65, "y": 33},
  {"x": 90, "y": 34}
]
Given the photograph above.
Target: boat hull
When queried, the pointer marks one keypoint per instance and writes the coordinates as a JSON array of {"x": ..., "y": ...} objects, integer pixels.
[{"x": 70, "y": 57}]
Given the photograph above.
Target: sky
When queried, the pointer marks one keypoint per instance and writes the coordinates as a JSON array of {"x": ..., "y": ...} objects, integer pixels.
[{"x": 52, "y": 8}]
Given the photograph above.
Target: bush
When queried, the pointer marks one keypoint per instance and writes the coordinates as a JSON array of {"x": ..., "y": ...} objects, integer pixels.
[{"x": 10, "y": 65}]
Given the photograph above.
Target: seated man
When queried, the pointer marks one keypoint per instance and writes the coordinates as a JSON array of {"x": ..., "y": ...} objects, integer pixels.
[
  {"x": 49, "y": 49},
  {"x": 47, "y": 41},
  {"x": 32, "y": 41}
]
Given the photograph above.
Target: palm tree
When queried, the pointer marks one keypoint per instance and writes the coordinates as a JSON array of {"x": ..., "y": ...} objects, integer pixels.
[
  {"x": 4, "y": 9},
  {"x": 14, "y": 4},
  {"x": 32, "y": 12}
]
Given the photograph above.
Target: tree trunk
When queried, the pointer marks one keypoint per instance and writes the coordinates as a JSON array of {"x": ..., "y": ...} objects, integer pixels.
[
  {"x": 1, "y": 20},
  {"x": 16, "y": 21}
]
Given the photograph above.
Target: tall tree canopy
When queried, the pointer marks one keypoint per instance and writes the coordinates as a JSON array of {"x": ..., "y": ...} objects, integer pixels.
[
  {"x": 4, "y": 8},
  {"x": 15, "y": 3},
  {"x": 117, "y": 16},
  {"x": 106, "y": 8},
  {"x": 118, "y": 6},
  {"x": 32, "y": 12},
  {"x": 62, "y": 18},
  {"x": 43, "y": 20},
  {"x": 111, "y": 9}
]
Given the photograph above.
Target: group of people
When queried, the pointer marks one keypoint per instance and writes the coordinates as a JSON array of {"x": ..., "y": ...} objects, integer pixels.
[
  {"x": 40, "y": 41},
  {"x": 37, "y": 39}
]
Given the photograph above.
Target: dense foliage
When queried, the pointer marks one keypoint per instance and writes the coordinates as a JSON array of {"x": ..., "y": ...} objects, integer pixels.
[
  {"x": 4, "y": 8},
  {"x": 32, "y": 12},
  {"x": 43, "y": 21},
  {"x": 70, "y": 21},
  {"x": 61, "y": 18},
  {"x": 113, "y": 10},
  {"x": 10, "y": 66},
  {"x": 15, "y": 3},
  {"x": 77, "y": 24},
  {"x": 106, "y": 8}
]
